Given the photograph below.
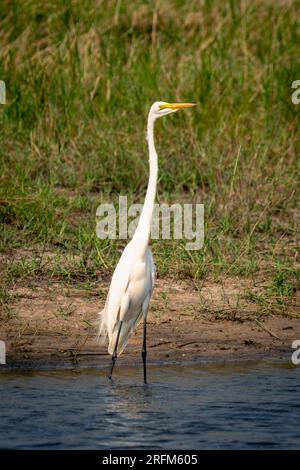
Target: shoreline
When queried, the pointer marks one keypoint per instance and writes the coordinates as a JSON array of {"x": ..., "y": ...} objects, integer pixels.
[
  {"x": 83, "y": 363},
  {"x": 56, "y": 326}
]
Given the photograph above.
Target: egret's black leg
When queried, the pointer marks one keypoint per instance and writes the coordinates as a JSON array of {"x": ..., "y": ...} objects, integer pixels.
[
  {"x": 114, "y": 356},
  {"x": 144, "y": 350}
]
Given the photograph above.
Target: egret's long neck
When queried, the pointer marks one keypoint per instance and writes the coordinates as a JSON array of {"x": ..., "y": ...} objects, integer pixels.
[{"x": 144, "y": 225}]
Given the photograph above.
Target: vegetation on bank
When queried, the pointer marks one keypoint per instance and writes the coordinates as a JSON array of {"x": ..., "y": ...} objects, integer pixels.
[{"x": 80, "y": 77}]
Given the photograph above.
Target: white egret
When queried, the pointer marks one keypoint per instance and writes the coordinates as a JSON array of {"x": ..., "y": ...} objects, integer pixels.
[{"x": 133, "y": 279}]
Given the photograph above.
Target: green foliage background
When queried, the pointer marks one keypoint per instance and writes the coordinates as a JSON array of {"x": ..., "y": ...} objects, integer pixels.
[{"x": 80, "y": 78}]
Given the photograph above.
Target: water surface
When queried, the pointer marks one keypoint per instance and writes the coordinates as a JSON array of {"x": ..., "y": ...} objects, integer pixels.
[{"x": 232, "y": 406}]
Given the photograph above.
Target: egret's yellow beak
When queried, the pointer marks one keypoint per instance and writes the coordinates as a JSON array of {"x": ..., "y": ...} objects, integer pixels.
[{"x": 177, "y": 105}]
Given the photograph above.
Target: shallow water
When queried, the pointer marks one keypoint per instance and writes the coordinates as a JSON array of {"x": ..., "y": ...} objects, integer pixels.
[{"x": 232, "y": 406}]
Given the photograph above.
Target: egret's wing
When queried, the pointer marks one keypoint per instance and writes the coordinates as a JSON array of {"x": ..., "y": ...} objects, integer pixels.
[
  {"x": 134, "y": 316},
  {"x": 117, "y": 289},
  {"x": 121, "y": 299}
]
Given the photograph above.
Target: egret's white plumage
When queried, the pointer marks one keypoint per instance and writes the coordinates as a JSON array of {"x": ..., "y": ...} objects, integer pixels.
[
  {"x": 133, "y": 279},
  {"x": 129, "y": 295}
]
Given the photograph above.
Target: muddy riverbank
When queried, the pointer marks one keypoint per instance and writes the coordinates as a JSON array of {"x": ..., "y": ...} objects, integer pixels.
[{"x": 57, "y": 325}]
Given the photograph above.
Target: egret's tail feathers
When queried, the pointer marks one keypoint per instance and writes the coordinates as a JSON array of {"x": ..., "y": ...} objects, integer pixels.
[
  {"x": 123, "y": 338},
  {"x": 125, "y": 333},
  {"x": 102, "y": 329}
]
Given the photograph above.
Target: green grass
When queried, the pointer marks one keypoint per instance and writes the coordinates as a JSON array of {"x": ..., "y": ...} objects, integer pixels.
[
  {"x": 80, "y": 79},
  {"x": 6, "y": 313}
]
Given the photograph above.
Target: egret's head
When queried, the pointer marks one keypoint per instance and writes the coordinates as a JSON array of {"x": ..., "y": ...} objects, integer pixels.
[{"x": 160, "y": 108}]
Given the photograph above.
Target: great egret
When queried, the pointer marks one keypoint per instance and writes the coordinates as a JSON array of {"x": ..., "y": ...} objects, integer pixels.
[{"x": 133, "y": 279}]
